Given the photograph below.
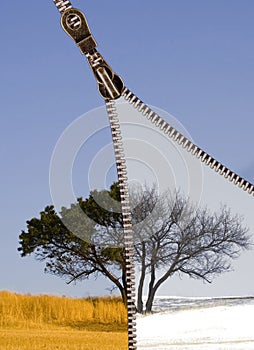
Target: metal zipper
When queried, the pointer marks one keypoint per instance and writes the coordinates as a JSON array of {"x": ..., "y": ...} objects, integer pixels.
[
  {"x": 111, "y": 87},
  {"x": 127, "y": 222}
]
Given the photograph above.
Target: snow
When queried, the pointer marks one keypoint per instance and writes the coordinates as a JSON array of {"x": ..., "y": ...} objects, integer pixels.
[{"x": 201, "y": 326}]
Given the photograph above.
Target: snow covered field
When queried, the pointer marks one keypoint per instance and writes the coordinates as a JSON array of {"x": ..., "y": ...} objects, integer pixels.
[{"x": 198, "y": 324}]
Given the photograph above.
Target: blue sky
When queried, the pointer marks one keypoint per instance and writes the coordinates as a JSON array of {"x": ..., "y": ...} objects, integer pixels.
[{"x": 193, "y": 59}]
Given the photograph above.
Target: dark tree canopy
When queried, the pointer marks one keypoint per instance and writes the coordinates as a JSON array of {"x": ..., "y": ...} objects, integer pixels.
[
  {"x": 77, "y": 257},
  {"x": 171, "y": 236}
]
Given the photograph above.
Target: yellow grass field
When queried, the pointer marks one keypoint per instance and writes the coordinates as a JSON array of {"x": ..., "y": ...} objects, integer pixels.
[{"x": 50, "y": 323}]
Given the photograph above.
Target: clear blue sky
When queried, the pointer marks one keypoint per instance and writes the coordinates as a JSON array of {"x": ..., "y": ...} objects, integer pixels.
[{"x": 194, "y": 59}]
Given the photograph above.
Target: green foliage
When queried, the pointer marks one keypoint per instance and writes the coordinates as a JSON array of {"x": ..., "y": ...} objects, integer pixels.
[
  {"x": 104, "y": 206},
  {"x": 85, "y": 239}
]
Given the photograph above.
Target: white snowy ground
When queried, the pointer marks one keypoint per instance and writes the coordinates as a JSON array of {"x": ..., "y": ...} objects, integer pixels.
[{"x": 199, "y": 328}]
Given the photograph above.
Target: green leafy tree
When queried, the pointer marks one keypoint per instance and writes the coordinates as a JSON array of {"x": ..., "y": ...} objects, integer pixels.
[{"x": 95, "y": 247}]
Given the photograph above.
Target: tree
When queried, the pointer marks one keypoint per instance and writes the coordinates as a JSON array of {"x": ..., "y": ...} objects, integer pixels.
[
  {"x": 178, "y": 237},
  {"x": 77, "y": 255},
  {"x": 171, "y": 236}
]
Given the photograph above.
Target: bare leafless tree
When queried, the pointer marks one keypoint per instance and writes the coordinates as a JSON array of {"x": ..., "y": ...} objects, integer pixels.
[{"x": 177, "y": 236}]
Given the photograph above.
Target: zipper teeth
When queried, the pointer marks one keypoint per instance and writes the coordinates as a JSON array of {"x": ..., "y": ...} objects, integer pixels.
[
  {"x": 186, "y": 143},
  {"x": 127, "y": 225},
  {"x": 62, "y": 5}
]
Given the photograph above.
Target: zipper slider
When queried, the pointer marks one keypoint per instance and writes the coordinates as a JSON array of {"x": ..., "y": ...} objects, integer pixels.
[{"x": 74, "y": 23}]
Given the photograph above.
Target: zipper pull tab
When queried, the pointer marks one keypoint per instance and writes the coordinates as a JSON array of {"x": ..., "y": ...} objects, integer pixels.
[{"x": 74, "y": 23}]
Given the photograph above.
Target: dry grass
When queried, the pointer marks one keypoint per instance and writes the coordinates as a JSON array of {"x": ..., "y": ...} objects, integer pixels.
[
  {"x": 60, "y": 339},
  {"x": 50, "y": 322},
  {"x": 26, "y": 310}
]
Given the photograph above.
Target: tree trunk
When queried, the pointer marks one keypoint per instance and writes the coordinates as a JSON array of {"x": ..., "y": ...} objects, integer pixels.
[
  {"x": 149, "y": 303},
  {"x": 141, "y": 282},
  {"x": 140, "y": 293},
  {"x": 123, "y": 288},
  {"x": 123, "y": 295},
  {"x": 151, "y": 291}
]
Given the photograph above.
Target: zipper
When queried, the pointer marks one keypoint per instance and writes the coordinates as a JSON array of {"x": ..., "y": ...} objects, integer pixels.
[
  {"x": 111, "y": 87},
  {"x": 127, "y": 222}
]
